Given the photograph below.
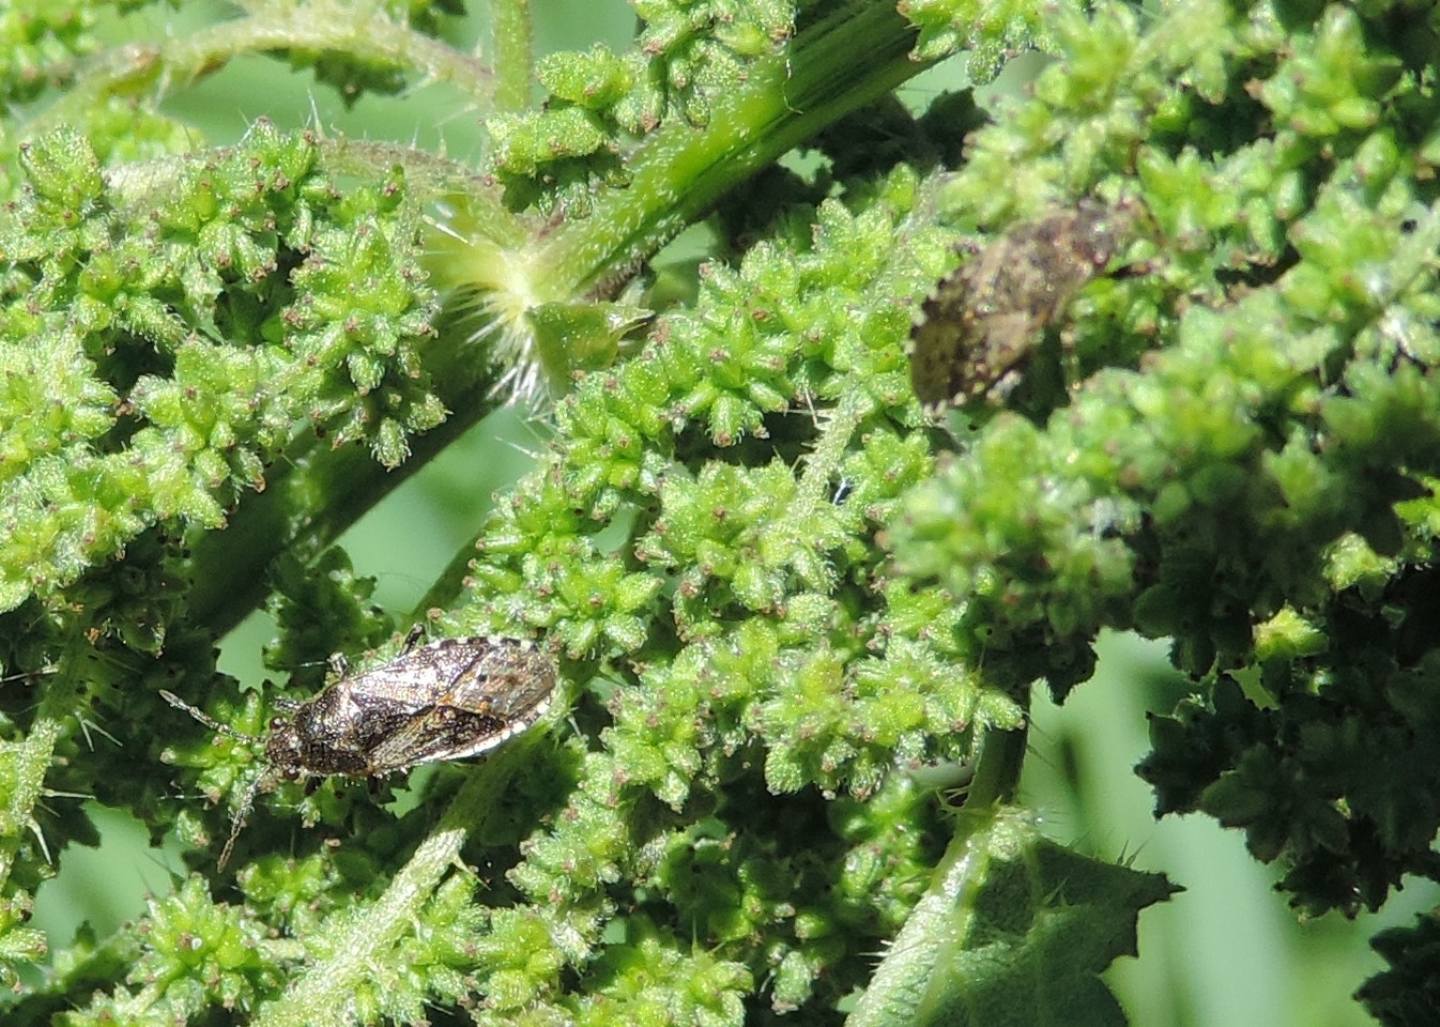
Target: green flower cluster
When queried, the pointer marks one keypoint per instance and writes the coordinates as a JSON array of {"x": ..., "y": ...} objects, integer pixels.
[
  {"x": 746, "y": 599},
  {"x": 989, "y": 31},
  {"x": 1260, "y": 489},
  {"x": 162, "y": 347},
  {"x": 791, "y": 631},
  {"x": 200, "y": 955},
  {"x": 42, "y": 40},
  {"x": 687, "y": 55}
]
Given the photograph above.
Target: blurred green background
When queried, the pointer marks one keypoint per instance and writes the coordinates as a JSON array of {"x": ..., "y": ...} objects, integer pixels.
[{"x": 1226, "y": 951}]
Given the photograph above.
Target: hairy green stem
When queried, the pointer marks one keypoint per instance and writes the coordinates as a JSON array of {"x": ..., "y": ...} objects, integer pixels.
[
  {"x": 513, "y": 33},
  {"x": 898, "y": 990},
  {"x": 324, "y": 25},
  {"x": 997, "y": 768},
  {"x": 847, "y": 60},
  {"x": 680, "y": 171},
  {"x": 823, "y": 462},
  {"x": 737, "y": 122},
  {"x": 321, "y": 996}
]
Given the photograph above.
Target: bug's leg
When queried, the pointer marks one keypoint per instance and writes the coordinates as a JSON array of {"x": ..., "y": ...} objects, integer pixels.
[
  {"x": 237, "y": 820},
  {"x": 339, "y": 666},
  {"x": 286, "y": 705},
  {"x": 377, "y": 784},
  {"x": 412, "y": 637},
  {"x": 312, "y": 785},
  {"x": 205, "y": 718}
]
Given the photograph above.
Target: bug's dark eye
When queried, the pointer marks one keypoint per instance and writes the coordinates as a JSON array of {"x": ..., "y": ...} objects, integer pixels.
[
  {"x": 276, "y": 723},
  {"x": 290, "y": 774}
]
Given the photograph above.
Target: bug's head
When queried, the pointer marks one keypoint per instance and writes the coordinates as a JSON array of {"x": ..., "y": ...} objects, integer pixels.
[
  {"x": 282, "y": 749},
  {"x": 282, "y": 761}
]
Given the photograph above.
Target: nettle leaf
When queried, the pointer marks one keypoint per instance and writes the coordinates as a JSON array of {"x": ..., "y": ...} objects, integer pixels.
[{"x": 1015, "y": 929}]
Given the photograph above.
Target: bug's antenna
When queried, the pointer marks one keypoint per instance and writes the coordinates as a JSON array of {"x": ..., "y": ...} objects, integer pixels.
[
  {"x": 237, "y": 820},
  {"x": 21, "y": 675},
  {"x": 205, "y": 718}
]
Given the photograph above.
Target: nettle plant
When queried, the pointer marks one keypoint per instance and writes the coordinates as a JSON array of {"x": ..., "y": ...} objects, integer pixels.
[{"x": 797, "y": 615}]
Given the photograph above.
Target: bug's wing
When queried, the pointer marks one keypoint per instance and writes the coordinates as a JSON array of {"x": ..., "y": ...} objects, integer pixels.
[
  {"x": 441, "y": 733},
  {"x": 404, "y": 684},
  {"x": 479, "y": 674},
  {"x": 511, "y": 683},
  {"x": 467, "y": 722},
  {"x": 495, "y": 691}
]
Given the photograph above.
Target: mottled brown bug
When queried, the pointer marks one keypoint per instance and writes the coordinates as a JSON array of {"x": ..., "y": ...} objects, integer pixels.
[
  {"x": 448, "y": 700},
  {"x": 984, "y": 320}
]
